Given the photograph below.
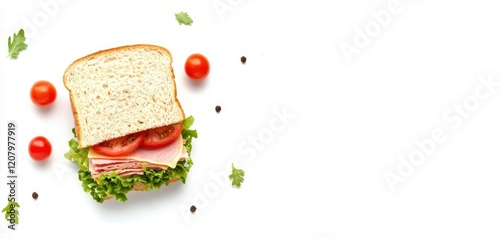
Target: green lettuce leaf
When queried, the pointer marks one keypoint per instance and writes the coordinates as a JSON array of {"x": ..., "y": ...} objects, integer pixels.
[
  {"x": 188, "y": 134},
  {"x": 114, "y": 185},
  {"x": 80, "y": 156}
]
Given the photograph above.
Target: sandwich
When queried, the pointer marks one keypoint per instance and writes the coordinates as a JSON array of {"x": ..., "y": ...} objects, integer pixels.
[{"x": 130, "y": 130}]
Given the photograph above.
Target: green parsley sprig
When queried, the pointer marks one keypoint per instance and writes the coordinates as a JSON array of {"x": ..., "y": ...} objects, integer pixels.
[
  {"x": 237, "y": 176},
  {"x": 11, "y": 205},
  {"x": 16, "y": 44},
  {"x": 183, "y": 18}
]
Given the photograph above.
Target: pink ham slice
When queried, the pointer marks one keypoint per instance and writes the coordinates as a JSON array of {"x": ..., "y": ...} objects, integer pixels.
[{"x": 132, "y": 164}]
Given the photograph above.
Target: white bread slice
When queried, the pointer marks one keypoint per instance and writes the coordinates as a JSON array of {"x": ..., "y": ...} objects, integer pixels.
[{"x": 121, "y": 91}]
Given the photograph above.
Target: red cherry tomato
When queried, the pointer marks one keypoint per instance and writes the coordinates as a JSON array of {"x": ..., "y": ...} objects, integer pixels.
[
  {"x": 43, "y": 93},
  {"x": 162, "y": 136},
  {"x": 120, "y": 146},
  {"x": 40, "y": 148},
  {"x": 197, "y": 67}
]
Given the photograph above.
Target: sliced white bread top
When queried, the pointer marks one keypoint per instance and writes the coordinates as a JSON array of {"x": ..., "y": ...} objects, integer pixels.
[{"x": 121, "y": 91}]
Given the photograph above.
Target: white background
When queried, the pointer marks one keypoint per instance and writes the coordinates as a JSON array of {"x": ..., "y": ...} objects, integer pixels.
[{"x": 323, "y": 174}]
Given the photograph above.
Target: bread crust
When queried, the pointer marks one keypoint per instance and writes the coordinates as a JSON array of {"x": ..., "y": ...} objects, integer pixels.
[{"x": 107, "y": 51}]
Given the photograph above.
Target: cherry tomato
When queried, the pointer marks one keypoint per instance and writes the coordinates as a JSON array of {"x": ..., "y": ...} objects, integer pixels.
[
  {"x": 40, "y": 148},
  {"x": 197, "y": 67},
  {"x": 43, "y": 93},
  {"x": 162, "y": 136},
  {"x": 120, "y": 146}
]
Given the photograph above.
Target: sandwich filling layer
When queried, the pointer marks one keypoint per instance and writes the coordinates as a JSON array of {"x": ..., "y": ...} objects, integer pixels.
[{"x": 161, "y": 158}]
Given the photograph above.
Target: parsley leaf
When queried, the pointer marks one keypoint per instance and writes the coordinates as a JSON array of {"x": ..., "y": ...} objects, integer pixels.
[
  {"x": 183, "y": 18},
  {"x": 11, "y": 206},
  {"x": 237, "y": 176},
  {"x": 16, "y": 44}
]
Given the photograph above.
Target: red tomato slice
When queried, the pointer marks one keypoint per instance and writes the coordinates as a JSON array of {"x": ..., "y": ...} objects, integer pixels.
[
  {"x": 161, "y": 136},
  {"x": 120, "y": 146}
]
